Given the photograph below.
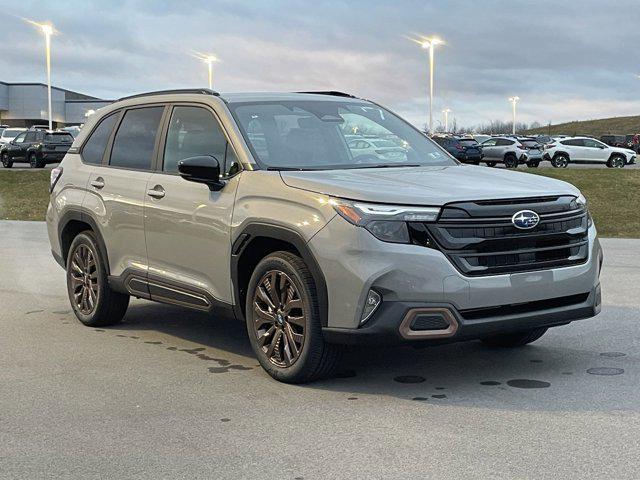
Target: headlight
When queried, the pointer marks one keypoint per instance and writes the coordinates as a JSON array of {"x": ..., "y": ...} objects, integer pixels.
[
  {"x": 385, "y": 222},
  {"x": 582, "y": 202}
]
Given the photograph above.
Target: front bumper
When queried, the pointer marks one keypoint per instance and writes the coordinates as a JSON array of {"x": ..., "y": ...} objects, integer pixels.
[
  {"x": 392, "y": 323},
  {"x": 411, "y": 276}
]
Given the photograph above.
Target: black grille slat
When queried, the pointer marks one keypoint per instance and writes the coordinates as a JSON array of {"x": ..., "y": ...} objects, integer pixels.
[{"x": 480, "y": 244}]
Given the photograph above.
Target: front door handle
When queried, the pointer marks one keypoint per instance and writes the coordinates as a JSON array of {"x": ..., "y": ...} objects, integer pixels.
[
  {"x": 156, "y": 192},
  {"x": 98, "y": 183}
]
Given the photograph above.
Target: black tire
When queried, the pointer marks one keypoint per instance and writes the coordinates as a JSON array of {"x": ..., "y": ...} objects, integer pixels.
[
  {"x": 517, "y": 339},
  {"x": 616, "y": 161},
  {"x": 34, "y": 162},
  {"x": 109, "y": 307},
  {"x": 510, "y": 161},
  {"x": 491, "y": 164},
  {"x": 6, "y": 163},
  {"x": 560, "y": 161},
  {"x": 533, "y": 164},
  {"x": 315, "y": 358}
]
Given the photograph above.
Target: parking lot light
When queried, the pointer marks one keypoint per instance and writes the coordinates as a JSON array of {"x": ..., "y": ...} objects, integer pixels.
[
  {"x": 48, "y": 30},
  {"x": 446, "y": 112},
  {"x": 430, "y": 43},
  {"x": 513, "y": 101}
]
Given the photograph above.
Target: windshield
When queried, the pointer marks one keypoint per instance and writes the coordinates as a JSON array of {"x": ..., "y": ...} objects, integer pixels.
[
  {"x": 10, "y": 133},
  {"x": 317, "y": 135}
]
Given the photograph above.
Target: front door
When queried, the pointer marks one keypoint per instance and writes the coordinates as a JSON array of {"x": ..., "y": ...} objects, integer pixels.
[
  {"x": 15, "y": 149},
  {"x": 188, "y": 227},
  {"x": 490, "y": 150}
]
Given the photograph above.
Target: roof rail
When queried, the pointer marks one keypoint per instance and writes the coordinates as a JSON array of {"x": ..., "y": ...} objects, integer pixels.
[
  {"x": 332, "y": 93},
  {"x": 196, "y": 91}
]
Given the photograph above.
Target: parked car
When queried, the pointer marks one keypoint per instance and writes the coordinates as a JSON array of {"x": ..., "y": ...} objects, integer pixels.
[
  {"x": 36, "y": 147},
  {"x": 456, "y": 149},
  {"x": 73, "y": 130},
  {"x": 587, "y": 150},
  {"x": 472, "y": 149},
  {"x": 534, "y": 151},
  {"x": 164, "y": 197},
  {"x": 9, "y": 134},
  {"x": 378, "y": 148},
  {"x": 504, "y": 150},
  {"x": 2, "y": 128},
  {"x": 43, "y": 128},
  {"x": 614, "y": 140}
]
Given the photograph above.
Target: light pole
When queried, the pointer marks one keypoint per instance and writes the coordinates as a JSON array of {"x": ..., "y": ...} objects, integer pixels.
[
  {"x": 446, "y": 112},
  {"x": 209, "y": 59},
  {"x": 48, "y": 30},
  {"x": 513, "y": 101},
  {"x": 430, "y": 43}
]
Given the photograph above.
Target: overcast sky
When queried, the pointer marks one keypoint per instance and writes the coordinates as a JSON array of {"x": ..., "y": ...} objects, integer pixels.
[{"x": 566, "y": 59}]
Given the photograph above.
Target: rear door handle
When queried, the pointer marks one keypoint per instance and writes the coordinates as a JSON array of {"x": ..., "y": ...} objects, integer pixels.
[
  {"x": 98, "y": 183},
  {"x": 156, "y": 192}
]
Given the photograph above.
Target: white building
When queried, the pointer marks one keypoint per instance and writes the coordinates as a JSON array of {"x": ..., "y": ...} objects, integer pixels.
[{"x": 25, "y": 104}]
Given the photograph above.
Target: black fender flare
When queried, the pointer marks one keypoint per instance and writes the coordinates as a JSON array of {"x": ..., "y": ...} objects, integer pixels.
[
  {"x": 277, "y": 232},
  {"x": 84, "y": 217}
]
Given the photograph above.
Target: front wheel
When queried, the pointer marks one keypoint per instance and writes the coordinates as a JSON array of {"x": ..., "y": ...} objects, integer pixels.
[
  {"x": 6, "y": 163},
  {"x": 560, "y": 161},
  {"x": 283, "y": 321},
  {"x": 92, "y": 300},
  {"x": 517, "y": 339},
  {"x": 616, "y": 162}
]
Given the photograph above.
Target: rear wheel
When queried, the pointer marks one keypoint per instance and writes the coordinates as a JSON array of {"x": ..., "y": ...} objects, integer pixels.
[
  {"x": 560, "y": 161},
  {"x": 517, "y": 339},
  {"x": 617, "y": 161},
  {"x": 92, "y": 300},
  {"x": 6, "y": 163},
  {"x": 510, "y": 161},
  {"x": 283, "y": 321}
]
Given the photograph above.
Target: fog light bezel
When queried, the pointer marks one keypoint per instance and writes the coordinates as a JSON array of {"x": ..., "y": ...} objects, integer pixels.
[{"x": 365, "y": 316}]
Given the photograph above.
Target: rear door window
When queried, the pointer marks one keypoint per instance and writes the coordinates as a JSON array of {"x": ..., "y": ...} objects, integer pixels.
[
  {"x": 58, "y": 138},
  {"x": 93, "y": 149},
  {"x": 135, "y": 140}
]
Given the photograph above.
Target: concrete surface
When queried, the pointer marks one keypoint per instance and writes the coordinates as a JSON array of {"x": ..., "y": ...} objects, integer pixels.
[{"x": 171, "y": 393}]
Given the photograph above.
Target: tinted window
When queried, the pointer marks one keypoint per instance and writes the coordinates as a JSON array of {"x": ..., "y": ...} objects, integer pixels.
[
  {"x": 94, "y": 148},
  {"x": 504, "y": 142},
  {"x": 490, "y": 143},
  {"x": 193, "y": 131},
  {"x": 592, "y": 143},
  {"x": 58, "y": 138},
  {"x": 572, "y": 143},
  {"x": 20, "y": 138},
  {"x": 136, "y": 137},
  {"x": 31, "y": 137}
]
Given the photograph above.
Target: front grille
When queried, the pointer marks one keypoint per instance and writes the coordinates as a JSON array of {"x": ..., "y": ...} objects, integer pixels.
[{"x": 480, "y": 239}]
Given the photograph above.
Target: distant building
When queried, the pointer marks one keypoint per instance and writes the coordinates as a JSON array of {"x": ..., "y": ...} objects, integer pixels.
[{"x": 25, "y": 104}]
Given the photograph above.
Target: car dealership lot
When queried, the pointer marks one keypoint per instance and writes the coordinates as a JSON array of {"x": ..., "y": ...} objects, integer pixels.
[{"x": 172, "y": 393}]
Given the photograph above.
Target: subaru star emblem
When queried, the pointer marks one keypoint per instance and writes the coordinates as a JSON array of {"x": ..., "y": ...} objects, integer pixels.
[{"x": 525, "y": 219}]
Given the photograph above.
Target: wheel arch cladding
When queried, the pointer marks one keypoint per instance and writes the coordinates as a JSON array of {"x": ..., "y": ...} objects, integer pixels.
[
  {"x": 71, "y": 224},
  {"x": 255, "y": 242}
]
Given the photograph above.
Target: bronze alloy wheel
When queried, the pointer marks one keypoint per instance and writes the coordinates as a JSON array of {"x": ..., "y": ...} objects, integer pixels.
[
  {"x": 84, "y": 279},
  {"x": 279, "y": 320}
]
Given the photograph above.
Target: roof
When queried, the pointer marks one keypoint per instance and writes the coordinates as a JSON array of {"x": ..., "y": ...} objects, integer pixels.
[{"x": 287, "y": 96}]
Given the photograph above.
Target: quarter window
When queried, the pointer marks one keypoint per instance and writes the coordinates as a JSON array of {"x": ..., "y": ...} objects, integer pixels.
[
  {"x": 93, "y": 150},
  {"x": 136, "y": 137},
  {"x": 194, "y": 131}
]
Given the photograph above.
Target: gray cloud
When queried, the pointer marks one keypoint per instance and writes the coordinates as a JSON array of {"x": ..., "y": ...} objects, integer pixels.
[{"x": 566, "y": 60}]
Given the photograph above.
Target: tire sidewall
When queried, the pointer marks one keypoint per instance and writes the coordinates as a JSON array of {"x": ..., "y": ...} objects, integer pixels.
[
  {"x": 33, "y": 160},
  {"x": 6, "y": 163},
  {"x": 87, "y": 239},
  {"x": 313, "y": 331},
  {"x": 560, "y": 161},
  {"x": 510, "y": 162}
]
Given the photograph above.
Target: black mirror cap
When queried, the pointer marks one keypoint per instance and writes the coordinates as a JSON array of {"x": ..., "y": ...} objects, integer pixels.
[{"x": 202, "y": 169}]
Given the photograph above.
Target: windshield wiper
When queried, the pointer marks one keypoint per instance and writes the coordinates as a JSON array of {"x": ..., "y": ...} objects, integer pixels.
[
  {"x": 285, "y": 169},
  {"x": 385, "y": 165}
]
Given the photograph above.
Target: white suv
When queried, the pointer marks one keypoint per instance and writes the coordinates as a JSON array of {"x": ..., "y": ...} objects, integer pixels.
[
  {"x": 587, "y": 150},
  {"x": 504, "y": 150}
]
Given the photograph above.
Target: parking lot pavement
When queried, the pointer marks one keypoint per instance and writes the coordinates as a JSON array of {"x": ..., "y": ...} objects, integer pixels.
[{"x": 172, "y": 393}]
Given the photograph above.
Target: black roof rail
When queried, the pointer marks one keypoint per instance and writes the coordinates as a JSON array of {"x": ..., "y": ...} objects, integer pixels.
[
  {"x": 196, "y": 91},
  {"x": 332, "y": 93}
]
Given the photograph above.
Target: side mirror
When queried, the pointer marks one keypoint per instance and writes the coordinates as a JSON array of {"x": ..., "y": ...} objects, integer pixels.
[{"x": 203, "y": 169}]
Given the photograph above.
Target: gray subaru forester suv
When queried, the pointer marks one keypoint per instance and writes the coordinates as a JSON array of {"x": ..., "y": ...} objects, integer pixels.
[{"x": 256, "y": 206}]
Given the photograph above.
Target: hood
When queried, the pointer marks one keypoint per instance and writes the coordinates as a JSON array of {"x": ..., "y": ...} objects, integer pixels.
[
  {"x": 427, "y": 185},
  {"x": 626, "y": 151}
]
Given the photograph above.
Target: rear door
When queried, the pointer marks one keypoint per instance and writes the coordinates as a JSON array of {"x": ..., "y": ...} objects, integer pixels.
[
  {"x": 577, "y": 150},
  {"x": 188, "y": 227},
  {"x": 116, "y": 190}
]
